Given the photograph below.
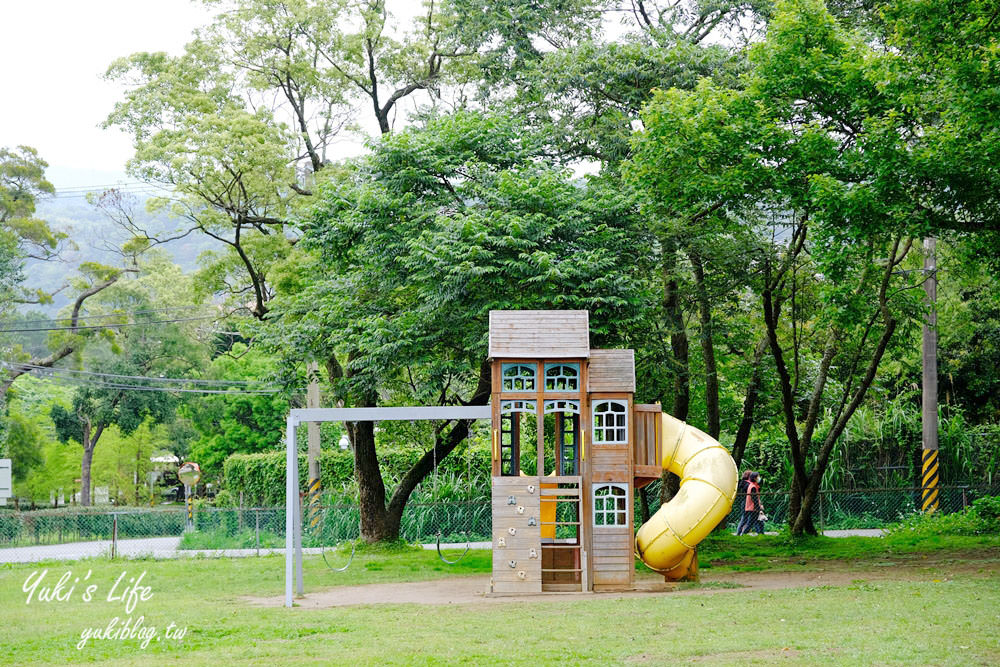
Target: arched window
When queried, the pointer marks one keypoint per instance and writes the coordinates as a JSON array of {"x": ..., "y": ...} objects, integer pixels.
[
  {"x": 610, "y": 422},
  {"x": 562, "y": 406},
  {"x": 567, "y": 435},
  {"x": 510, "y": 407},
  {"x": 610, "y": 505},
  {"x": 510, "y": 434},
  {"x": 518, "y": 377},
  {"x": 562, "y": 377}
]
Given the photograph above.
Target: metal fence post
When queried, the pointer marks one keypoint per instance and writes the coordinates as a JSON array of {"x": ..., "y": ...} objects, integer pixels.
[
  {"x": 821, "y": 522},
  {"x": 114, "y": 535},
  {"x": 256, "y": 532}
]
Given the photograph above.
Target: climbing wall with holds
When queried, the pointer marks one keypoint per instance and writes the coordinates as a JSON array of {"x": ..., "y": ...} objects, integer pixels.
[{"x": 517, "y": 536}]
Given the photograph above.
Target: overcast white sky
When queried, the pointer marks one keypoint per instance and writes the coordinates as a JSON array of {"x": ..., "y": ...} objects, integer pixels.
[{"x": 52, "y": 56}]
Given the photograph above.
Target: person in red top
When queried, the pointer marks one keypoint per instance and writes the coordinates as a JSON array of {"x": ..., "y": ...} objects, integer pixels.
[
  {"x": 741, "y": 494},
  {"x": 752, "y": 507}
]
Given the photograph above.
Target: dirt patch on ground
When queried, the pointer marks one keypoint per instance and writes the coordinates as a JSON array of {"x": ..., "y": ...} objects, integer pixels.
[{"x": 473, "y": 590}]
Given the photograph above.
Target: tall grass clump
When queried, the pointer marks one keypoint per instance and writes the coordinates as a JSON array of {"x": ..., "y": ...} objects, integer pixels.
[{"x": 980, "y": 518}]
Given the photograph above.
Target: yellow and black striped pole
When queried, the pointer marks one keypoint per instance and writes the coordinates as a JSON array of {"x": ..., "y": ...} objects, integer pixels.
[
  {"x": 314, "y": 447},
  {"x": 929, "y": 481},
  {"x": 929, "y": 473},
  {"x": 314, "y": 509}
]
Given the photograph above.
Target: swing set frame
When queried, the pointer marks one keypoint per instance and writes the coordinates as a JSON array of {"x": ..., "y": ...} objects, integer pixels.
[{"x": 293, "y": 503}]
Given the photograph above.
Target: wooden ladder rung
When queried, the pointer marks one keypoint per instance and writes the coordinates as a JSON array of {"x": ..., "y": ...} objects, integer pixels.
[
  {"x": 560, "y": 492},
  {"x": 544, "y": 569},
  {"x": 559, "y": 523}
]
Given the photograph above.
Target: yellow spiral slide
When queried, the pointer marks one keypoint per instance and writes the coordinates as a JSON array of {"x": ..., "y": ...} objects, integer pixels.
[{"x": 708, "y": 475}]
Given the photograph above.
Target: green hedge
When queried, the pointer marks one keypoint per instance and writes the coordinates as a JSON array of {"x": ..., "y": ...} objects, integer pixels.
[
  {"x": 261, "y": 477},
  {"x": 421, "y": 522}
]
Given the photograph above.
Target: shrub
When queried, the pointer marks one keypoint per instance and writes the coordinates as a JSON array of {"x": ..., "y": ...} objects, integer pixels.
[
  {"x": 988, "y": 509},
  {"x": 982, "y": 518},
  {"x": 10, "y": 526},
  {"x": 224, "y": 499},
  {"x": 261, "y": 477}
]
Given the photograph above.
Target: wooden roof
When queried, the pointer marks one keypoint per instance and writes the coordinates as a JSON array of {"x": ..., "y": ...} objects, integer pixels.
[
  {"x": 539, "y": 334},
  {"x": 611, "y": 370}
]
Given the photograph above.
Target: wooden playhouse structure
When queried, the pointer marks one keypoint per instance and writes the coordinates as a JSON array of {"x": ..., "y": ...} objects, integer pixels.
[{"x": 570, "y": 447}]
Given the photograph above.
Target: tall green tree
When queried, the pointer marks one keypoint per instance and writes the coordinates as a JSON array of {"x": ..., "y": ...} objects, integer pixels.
[
  {"x": 412, "y": 248},
  {"x": 241, "y": 122},
  {"x": 94, "y": 409},
  {"x": 24, "y": 236},
  {"x": 791, "y": 144},
  {"x": 114, "y": 390},
  {"x": 244, "y": 423}
]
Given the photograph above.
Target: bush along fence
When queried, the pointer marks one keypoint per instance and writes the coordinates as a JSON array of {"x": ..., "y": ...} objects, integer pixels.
[
  {"x": 264, "y": 527},
  {"x": 259, "y": 479},
  {"x": 848, "y": 509},
  {"x": 229, "y": 528}
]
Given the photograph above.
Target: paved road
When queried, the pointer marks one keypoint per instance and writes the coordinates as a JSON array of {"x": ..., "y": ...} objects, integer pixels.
[
  {"x": 167, "y": 547},
  {"x": 77, "y": 550}
]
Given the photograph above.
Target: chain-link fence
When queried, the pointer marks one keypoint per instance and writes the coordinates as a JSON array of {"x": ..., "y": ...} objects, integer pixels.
[
  {"x": 75, "y": 533},
  {"x": 847, "y": 509}
]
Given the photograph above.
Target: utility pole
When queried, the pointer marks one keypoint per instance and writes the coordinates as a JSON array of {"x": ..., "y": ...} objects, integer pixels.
[
  {"x": 312, "y": 401},
  {"x": 929, "y": 454}
]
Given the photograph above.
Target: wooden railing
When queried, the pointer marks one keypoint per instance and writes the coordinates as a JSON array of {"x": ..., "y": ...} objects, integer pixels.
[{"x": 646, "y": 449}]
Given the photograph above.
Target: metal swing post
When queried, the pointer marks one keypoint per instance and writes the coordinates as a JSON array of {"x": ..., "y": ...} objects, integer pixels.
[{"x": 293, "y": 523}]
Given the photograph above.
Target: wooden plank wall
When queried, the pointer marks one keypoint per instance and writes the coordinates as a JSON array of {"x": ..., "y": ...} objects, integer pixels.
[
  {"x": 646, "y": 445},
  {"x": 552, "y": 334},
  {"x": 611, "y": 370},
  {"x": 514, "y": 539},
  {"x": 613, "y": 557},
  {"x": 611, "y": 554}
]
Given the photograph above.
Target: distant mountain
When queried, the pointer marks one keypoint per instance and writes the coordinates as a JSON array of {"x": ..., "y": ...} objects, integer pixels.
[{"x": 96, "y": 236}]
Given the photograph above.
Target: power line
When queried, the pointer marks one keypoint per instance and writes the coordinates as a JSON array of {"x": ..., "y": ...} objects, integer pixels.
[
  {"x": 101, "y": 317},
  {"x": 105, "y": 186},
  {"x": 104, "y": 384},
  {"x": 128, "y": 387},
  {"x": 56, "y": 370},
  {"x": 112, "y": 325}
]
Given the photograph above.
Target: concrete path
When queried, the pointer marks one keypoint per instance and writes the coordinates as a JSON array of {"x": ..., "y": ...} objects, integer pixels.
[
  {"x": 167, "y": 547},
  {"x": 855, "y": 532},
  {"x": 77, "y": 550},
  {"x": 154, "y": 547}
]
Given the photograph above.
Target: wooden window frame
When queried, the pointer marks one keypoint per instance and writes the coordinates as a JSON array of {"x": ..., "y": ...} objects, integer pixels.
[
  {"x": 555, "y": 378},
  {"x": 599, "y": 433},
  {"x": 602, "y": 510},
  {"x": 525, "y": 379}
]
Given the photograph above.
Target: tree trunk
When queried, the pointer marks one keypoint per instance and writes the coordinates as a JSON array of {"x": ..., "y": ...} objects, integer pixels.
[
  {"x": 381, "y": 521},
  {"x": 707, "y": 347},
  {"x": 669, "y": 482},
  {"x": 678, "y": 335},
  {"x": 375, "y": 525},
  {"x": 88, "y": 457},
  {"x": 806, "y": 488},
  {"x": 89, "y": 443},
  {"x": 749, "y": 405}
]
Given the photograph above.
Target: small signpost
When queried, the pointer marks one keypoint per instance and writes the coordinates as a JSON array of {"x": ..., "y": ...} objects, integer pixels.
[
  {"x": 189, "y": 473},
  {"x": 6, "y": 491}
]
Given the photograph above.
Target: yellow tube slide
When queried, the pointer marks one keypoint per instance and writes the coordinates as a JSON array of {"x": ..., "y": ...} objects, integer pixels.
[{"x": 708, "y": 475}]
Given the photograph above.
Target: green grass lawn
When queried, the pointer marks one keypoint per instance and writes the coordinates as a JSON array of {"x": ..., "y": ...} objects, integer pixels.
[
  {"x": 951, "y": 621},
  {"x": 724, "y": 551}
]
